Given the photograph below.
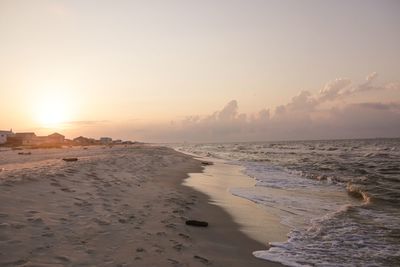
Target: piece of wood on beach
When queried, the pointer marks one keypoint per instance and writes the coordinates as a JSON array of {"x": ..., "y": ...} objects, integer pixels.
[
  {"x": 70, "y": 159},
  {"x": 206, "y": 163},
  {"x": 24, "y": 153},
  {"x": 197, "y": 223}
]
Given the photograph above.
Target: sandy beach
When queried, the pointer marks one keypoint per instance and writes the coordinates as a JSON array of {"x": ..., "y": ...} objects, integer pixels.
[{"x": 120, "y": 206}]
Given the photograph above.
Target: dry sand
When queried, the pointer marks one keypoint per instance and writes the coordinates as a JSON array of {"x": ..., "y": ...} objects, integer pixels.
[{"x": 121, "y": 206}]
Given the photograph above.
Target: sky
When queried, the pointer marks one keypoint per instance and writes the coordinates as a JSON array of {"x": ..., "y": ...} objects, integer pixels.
[{"x": 201, "y": 71}]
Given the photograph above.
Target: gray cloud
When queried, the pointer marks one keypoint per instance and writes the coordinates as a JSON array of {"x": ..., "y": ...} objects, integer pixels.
[{"x": 381, "y": 106}]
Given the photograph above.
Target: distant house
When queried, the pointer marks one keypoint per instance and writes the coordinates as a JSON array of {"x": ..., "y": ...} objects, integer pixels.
[
  {"x": 56, "y": 138},
  {"x": 30, "y": 139},
  {"x": 52, "y": 139},
  {"x": 105, "y": 140},
  {"x": 25, "y": 138},
  {"x": 4, "y": 135},
  {"x": 81, "y": 140},
  {"x": 84, "y": 141}
]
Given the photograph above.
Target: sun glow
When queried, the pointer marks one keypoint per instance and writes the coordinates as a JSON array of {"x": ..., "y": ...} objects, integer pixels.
[
  {"x": 52, "y": 113},
  {"x": 52, "y": 110}
]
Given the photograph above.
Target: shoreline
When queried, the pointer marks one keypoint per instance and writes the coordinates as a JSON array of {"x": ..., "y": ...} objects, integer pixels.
[
  {"x": 232, "y": 235},
  {"x": 217, "y": 181}
]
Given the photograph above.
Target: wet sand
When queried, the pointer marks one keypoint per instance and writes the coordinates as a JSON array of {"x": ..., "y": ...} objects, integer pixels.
[
  {"x": 121, "y": 206},
  {"x": 217, "y": 181}
]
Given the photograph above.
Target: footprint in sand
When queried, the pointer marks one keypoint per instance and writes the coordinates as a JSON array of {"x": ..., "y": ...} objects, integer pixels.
[
  {"x": 4, "y": 225},
  {"x": 55, "y": 183},
  {"x": 174, "y": 262},
  {"x": 18, "y": 225},
  {"x": 117, "y": 200},
  {"x": 90, "y": 251},
  {"x": 68, "y": 190},
  {"x": 158, "y": 249},
  {"x": 161, "y": 234},
  {"x": 48, "y": 234},
  {"x": 63, "y": 259},
  {"x": 202, "y": 260},
  {"x": 35, "y": 220},
  {"x": 184, "y": 236},
  {"x": 101, "y": 222},
  {"x": 122, "y": 220},
  {"x": 140, "y": 249},
  {"x": 178, "y": 247}
]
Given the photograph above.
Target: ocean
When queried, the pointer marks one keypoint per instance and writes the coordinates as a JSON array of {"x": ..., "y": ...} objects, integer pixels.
[{"x": 340, "y": 198}]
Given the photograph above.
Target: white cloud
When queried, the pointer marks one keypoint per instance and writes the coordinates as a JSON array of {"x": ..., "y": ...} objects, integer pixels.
[
  {"x": 371, "y": 76},
  {"x": 333, "y": 89}
]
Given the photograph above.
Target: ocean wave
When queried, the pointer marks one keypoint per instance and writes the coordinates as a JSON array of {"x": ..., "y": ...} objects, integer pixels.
[
  {"x": 358, "y": 192},
  {"x": 341, "y": 238}
]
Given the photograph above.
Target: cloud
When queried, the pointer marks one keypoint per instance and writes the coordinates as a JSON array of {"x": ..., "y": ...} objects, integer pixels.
[
  {"x": 394, "y": 86},
  {"x": 304, "y": 117},
  {"x": 343, "y": 87},
  {"x": 367, "y": 85},
  {"x": 373, "y": 119},
  {"x": 394, "y": 107},
  {"x": 229, "y": 112},
  {"x": 371, "y": 76},
  {"x": 333, "y": 89}
]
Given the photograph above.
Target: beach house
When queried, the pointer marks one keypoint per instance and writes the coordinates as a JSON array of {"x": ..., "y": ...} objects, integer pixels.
[
  {"x": 31, "y": 139},
  {"x": 105, "y": 140},
  {"x": 24, "y": 139},
  {"x": 84, "y": 141},
  {"x": 55, "y": 138},
  {"x": 4, "y": 135}
]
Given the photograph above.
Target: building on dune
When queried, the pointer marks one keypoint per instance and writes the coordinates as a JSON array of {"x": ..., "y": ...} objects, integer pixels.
[
  {"x": 105, "y": 140},
  {"x": 4, "y": 135},
  {"x": 23, "y": 139},
  {"x": 31, "y": 139},
  {"x": 84, "y": 141},
  {"x": 56, "y": 138}
]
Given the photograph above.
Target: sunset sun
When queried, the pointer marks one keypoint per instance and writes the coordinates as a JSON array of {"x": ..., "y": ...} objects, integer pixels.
[{"x": 52, "y": 110}]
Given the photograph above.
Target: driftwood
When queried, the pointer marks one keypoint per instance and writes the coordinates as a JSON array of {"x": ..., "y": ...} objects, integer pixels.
[
  {"x": 70, "y": 159},
  {"x": 206, "y": 163},
  {"x": 197, "y": 223},
  {"x": 24, "y": 153}
]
